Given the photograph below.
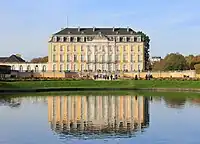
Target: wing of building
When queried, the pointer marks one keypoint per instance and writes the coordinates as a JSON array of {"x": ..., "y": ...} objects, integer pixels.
[{"x": 97, "y": 49}]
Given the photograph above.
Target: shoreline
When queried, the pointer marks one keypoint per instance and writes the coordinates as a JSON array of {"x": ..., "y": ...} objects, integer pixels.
[{"x": 38, "y": 90}]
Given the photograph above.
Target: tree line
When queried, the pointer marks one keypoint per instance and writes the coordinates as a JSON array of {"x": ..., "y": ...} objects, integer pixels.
[{"x": 176, "y": 61}]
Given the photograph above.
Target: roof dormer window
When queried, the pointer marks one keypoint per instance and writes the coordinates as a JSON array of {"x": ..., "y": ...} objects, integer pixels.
[
  {"x": 138, "y": 39},
  {"x": 82, "y": 39},
  {"x": 75, "y": 39},
  {"x": 68, "y": 39},
  {"x": 55, "y": 39},
  {"x": 118, "y": 39},
  {"x": 62, "y": 39},
  {"x": 124, "y": 39}
]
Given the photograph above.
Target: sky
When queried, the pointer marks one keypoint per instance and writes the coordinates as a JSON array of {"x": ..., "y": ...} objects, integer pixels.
[{"x": 172, "y": 25}]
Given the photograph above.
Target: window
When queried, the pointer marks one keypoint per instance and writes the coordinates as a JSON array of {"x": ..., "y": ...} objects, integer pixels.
[
  {"x": 82, "y": 58},
  {"x": 124, "y": 67},
  {"x": 132, "y": 57},
  {"x": 68, "y": 49},
  {"x": 54, "y": 58},
  {"x": 54, "y": 67},
  {"x": 44, "y": 69},
  {"x": 36, "y": 68},
  {"x": 68, "y": 39},
  {"x": 61, "y": 48},
  {"x": 117, "y": 57},
  {"x": 88, "y": 48},
  {"x": 82, "y": 49},
  {"x": 68, "y": 67},
  {"x": 61, "y": 67},
  {"x": 55, "y": 39},
  {"x": 103, "y": 48},
  {"x": 132, "y": 48},
  {"x": 124, "y": 57},
  {"x": 110, "y": 58},
  {"x": 110, "y": 67},
  {"x": 117, "y": 67},
  {"x": 124, "y": 48},
  {"x": 54, "y": 48},
  {"x": 96, "y": 58},
  {"x": 110, "y": 48},
  {"x": 74, "y": 48},
  {"x": 82, "y": 39},
  {"x": 13, "y": 67},
  {"x": 103, "y": 67},
  {"x": 62, "y": 39},
  {"x": 75, "y": 58},
  {"x": 124, "y": 39},
  {"x": 61, "y": 58},
  {"x": 75, "y": 39},
  {"x": 117, "y": 48},
  {"x": 131, "y": 67},
  {"x": 103, "y": 58},
  {"x": 139, "y": 39},
  {"x": 118, "y": 39},
  {"x": 68, "y": 58},
  {"x": 82, "y": 67},
  {"x": 74, "y": 67},
  {"x": 20, "y": 68},
  {"x": 139, "y": 69},
  {"x": 139, "y": 58},
  {"x": 28, "y": 68},
  {"x": 89, "y": 58},
  {"x": 138, "y": 48},
  {"x": 96, "y": 49}
]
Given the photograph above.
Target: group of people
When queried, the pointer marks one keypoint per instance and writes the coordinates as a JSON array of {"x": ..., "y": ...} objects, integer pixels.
[{"x": 106, "y": 77}]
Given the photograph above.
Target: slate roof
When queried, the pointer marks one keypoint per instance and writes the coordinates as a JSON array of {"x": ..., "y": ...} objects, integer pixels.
[
  {"x": 95, "y": 31},
  {"x": 12, "y": 59}
]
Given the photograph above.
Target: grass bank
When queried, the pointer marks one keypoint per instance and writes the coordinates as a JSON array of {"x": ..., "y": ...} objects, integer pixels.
[{"x": 102, "y": 84}]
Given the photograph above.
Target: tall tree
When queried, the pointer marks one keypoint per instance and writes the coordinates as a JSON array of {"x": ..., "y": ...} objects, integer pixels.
[{"x": 146, "y": 41}]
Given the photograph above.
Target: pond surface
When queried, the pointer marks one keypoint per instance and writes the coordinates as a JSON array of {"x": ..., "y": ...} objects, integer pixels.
[{"x": 99, "y": 119}]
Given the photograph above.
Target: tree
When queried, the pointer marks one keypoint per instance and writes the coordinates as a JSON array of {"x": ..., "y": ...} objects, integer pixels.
[
  {"x": 40, "y": 60},
  {"x": 158, "y": 66},
  {"x": 175, "y": 61},
  {"x": 189, "y": 60},
  {"x": 197, "y": 68},
  {"x": 146, "y": 41}
]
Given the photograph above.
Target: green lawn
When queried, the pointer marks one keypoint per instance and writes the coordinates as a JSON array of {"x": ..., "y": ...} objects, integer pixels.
[{"x": 101, "y": 84}]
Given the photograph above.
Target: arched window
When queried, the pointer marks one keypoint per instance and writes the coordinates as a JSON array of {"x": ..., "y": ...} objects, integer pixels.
[
  {"x": 61, "y": 67},
  {"x": 74, "y": 67},
  {"x": 36, "y": 68},
  {"x": 13, "y": 67},
  {"x": 21, "y": 68},
  {"x": 28, "y": 68},
  {"x": 54, "y": 67},
  {"x": 44, "y": 69}
]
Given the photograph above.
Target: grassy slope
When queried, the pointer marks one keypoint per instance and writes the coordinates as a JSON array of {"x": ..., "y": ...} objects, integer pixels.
[{"x": 102, "y": 84}]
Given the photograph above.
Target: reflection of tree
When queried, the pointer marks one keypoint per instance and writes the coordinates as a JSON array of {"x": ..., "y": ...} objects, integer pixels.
[
  {"x": 11, "y": 102},
  {"x": 175, "y": 102}
]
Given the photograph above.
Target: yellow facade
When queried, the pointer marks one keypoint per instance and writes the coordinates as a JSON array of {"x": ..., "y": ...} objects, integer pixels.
[{"x": 101, "y": 47}]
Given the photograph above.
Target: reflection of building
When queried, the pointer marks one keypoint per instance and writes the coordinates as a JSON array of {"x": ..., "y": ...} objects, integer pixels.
[
  {"x": 97, "y": 49},
  {"x": 97, "y": 113}
]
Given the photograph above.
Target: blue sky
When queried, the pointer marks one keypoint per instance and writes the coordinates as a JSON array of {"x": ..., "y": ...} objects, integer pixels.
[{"x": 173, "y": 25}]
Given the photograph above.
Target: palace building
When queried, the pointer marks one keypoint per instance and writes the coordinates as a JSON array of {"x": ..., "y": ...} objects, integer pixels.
[{"x": 97, "y": 49}]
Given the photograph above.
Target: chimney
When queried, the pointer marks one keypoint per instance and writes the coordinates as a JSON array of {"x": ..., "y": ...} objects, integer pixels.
[
  {"x": 79, "y": 29},
  {"x": 127, "y": 29},
  {"x": 113, "y": 29},
  {"x": 93, "y": 29}
]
